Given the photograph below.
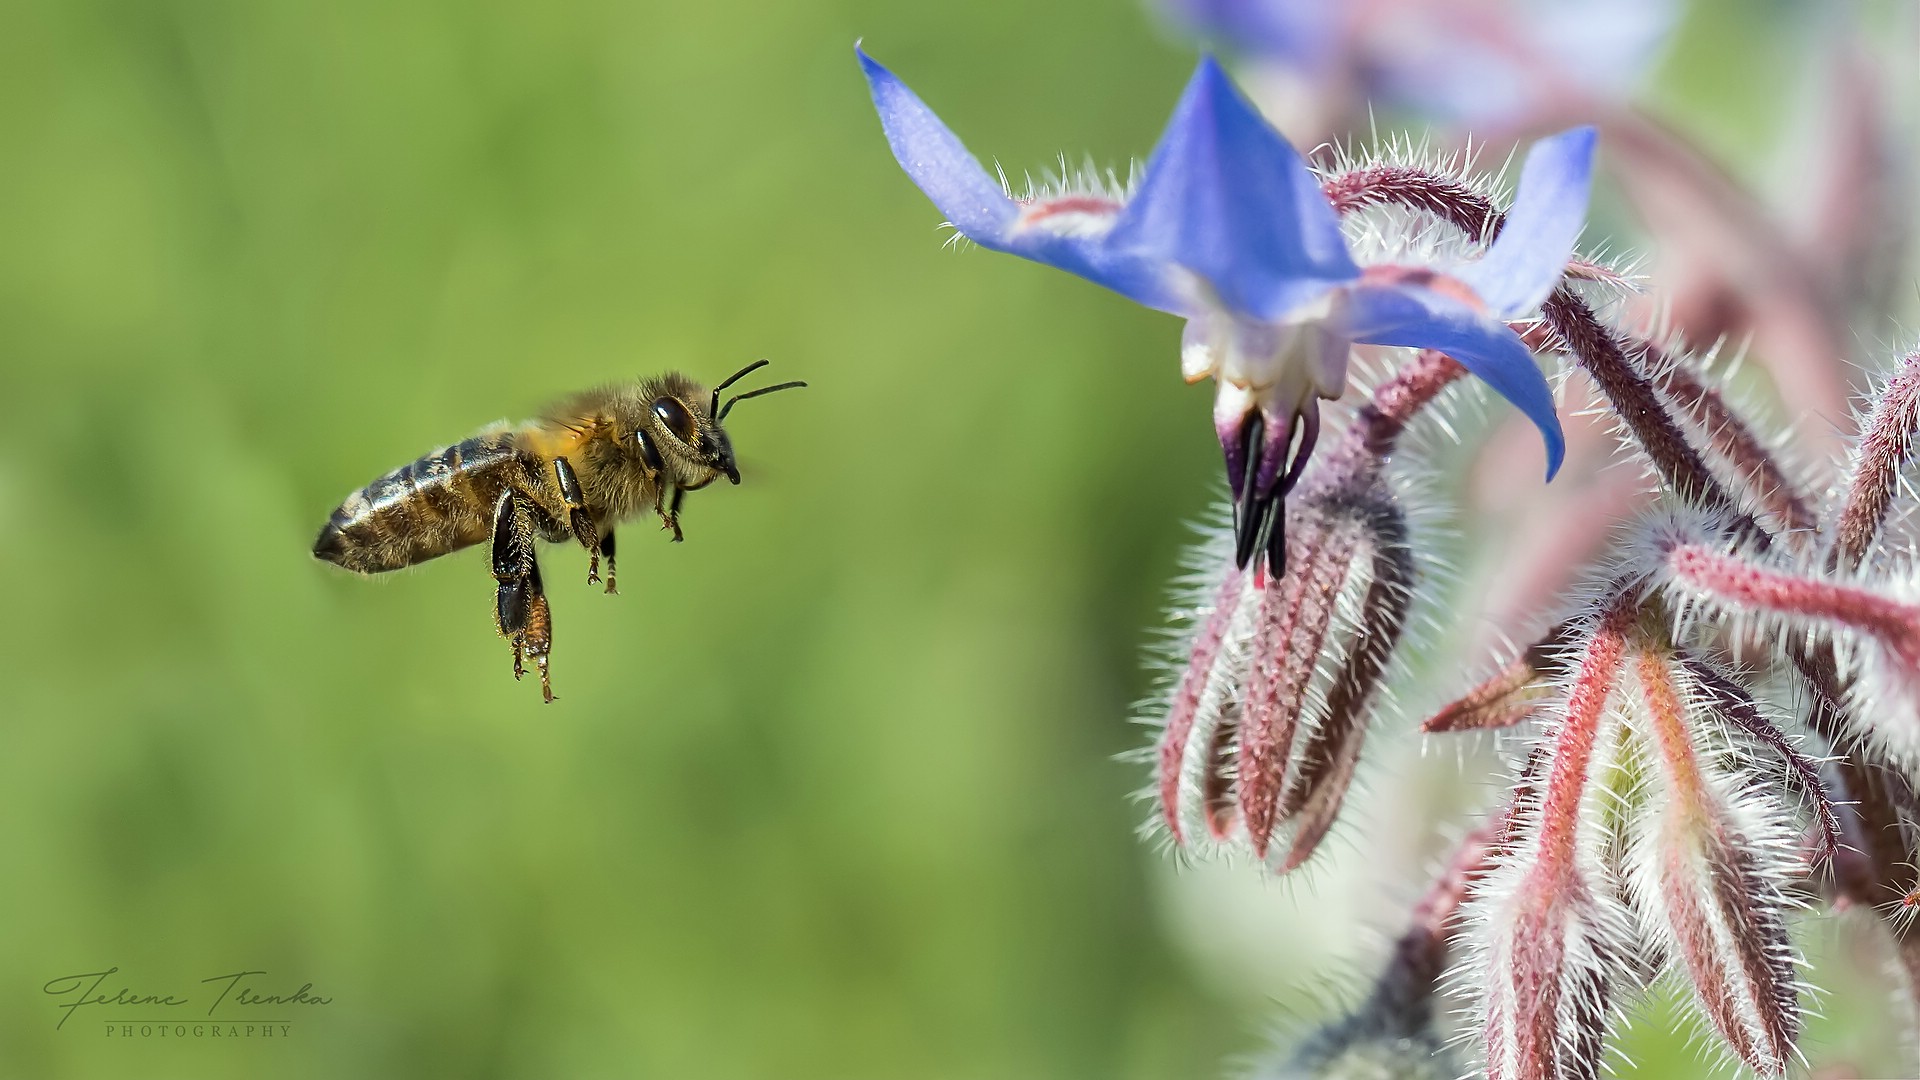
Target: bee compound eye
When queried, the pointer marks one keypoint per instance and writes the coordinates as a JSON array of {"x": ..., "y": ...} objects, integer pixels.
[{"x": 678, "y": 420}]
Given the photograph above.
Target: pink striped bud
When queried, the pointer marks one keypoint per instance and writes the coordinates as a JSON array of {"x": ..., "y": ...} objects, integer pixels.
[
  {"x": 1646, "y": 805},
  {"x": 1265, "y": 724},
  {"x": 1551, "y": 931},
  {"x": 1710, "y": 859},
  {"x": 1515, "y": 693}
]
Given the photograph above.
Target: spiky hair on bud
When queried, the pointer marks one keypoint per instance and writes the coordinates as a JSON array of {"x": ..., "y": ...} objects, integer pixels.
[
  {"x": 1383, "y": 231},
  {"x": 1711, "y": 860},
  {"x": 1649, "y": 540},
  {"x": 1400, "y": 196},
  {"x": 1646, "y": 806},
  {"x": 1517, "y": 690}
]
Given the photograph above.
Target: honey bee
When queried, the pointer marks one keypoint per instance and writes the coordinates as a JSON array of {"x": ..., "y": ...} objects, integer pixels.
[{"x": 593, "y": 461}]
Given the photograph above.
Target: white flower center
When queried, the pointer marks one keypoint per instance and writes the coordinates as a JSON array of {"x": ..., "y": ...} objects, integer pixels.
[{"x": 1275, "y": 366}]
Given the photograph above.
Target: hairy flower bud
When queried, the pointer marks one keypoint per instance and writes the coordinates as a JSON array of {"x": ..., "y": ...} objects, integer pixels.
[
  {"x": 1511, "y": 695},
  {"x": 1710, "y": 861},
  {"x": 1264, "y": 727},
  {"x": 1652, "y": 809},
  {"x": 1551, "y": 930},
  {"x": 1883, "y": 451},
  {"x": 1264, "y": 724}
]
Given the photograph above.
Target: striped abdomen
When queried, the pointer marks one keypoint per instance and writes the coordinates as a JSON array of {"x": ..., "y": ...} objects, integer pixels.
[{"x": 440, "y": 503}]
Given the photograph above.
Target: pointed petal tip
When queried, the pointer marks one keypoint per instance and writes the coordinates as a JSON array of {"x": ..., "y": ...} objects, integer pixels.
[
  {"x": 1579, "y": 141},
  {"x": 1210, "y": 89},
  {"x": 1225, "y": 196},
  {"x": 936, "y": 160},
  {"x": 1571, "y": 150},
  {"x": 1527, "y": 259},
  {"x": 873, "y": 69},
  {"x": 1568, "y": 154}
]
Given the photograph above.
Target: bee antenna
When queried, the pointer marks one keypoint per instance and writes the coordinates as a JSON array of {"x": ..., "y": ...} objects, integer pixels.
[
  {"x": 738, "y": 398},
  {"x": 713, "y": 410}
]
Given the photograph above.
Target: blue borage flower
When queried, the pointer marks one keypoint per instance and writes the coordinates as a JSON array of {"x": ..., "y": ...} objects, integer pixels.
[{"x": 1230, "y": 230}]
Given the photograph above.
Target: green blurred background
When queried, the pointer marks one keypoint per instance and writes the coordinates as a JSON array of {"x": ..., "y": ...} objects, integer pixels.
[{"x": 830, "y": 790}]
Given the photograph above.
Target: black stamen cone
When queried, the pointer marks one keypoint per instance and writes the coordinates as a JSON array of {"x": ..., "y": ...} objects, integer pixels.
[
  {"x": 1249, "y": 510},
  {"x": 1306, "y": 432},
  {"x": 1277, "y": 541}
]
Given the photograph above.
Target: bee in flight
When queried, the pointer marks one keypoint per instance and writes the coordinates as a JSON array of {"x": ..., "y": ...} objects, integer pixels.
[{"x": 593, "y": 461}]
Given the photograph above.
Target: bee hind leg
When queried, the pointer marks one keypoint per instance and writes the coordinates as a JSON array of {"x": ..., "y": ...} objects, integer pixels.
[
  {"x": 520, "y": 603},
  {"x": 606, "y": 548}
]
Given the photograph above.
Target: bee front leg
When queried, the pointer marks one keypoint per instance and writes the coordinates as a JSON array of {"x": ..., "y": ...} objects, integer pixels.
[
  {"x": 580, "y": 519},
  {"x": 606, "y": 548},
  {"x": 520, "y": 604},
  {"x": 670, "y": 517}
]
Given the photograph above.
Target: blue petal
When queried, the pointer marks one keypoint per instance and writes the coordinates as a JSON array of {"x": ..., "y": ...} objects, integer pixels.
[
  {"x": 977, "y": 205},
  {"x": 1141, "y": 276},
  {"x": 937, "y": 161},
  {"x": 1418, "y": 318},
  {"x": 1227, "y": 198},
  {"x": 1527, "y": 258}
]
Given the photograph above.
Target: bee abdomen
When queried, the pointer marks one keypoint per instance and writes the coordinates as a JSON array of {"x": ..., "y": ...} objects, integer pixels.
[{"x": 441, "y": 503}]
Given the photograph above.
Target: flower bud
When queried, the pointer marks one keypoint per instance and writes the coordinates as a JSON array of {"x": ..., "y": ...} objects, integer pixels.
[
  {"x": 1710, "y": 859},
  {"x": 1265, "y": 724},
  {"x": 1551, "y": 939}
]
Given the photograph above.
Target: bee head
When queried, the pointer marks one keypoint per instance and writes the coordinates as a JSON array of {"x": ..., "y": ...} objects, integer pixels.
[{"x": 680, "y": 434}]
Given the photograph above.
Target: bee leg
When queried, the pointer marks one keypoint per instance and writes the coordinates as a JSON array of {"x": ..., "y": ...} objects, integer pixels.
[
  {"x": 520, "y": 604},
  {"x": 540, "y": 637},
  {"x": 606, "y": 548},
  {"x": 670, "y": 517},
  {"x": 579, "y": 518},
  {"x": 589, "y": 537}
]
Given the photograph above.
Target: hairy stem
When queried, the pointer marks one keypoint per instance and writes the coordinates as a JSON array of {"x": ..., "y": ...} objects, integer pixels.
[
  {"x": 1407, "y": 986},
  {"x": 1354, "y": 462},
  {"x": 1732, "y": 440},
  {"x": 1886, "y": 446}
]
